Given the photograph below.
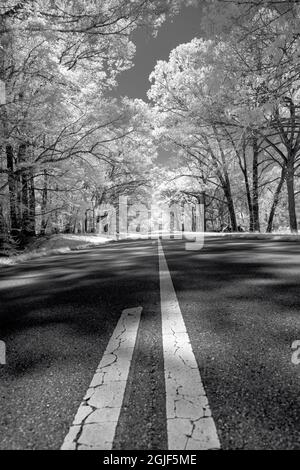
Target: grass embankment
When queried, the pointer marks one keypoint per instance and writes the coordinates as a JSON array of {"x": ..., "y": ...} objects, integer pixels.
[{"x": 51, "y": 245}]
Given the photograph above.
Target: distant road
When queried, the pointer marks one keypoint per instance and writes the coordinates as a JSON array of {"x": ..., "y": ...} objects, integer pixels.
[{"x": 239, "y": 301}]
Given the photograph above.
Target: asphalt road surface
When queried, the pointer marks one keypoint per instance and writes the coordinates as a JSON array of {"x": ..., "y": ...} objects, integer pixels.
[{"x": 240, "y": 301}]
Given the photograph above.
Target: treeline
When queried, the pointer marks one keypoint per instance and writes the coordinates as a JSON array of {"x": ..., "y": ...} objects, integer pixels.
[
  {"x": 65, "y": 144},
  {"x": 229, "y": 109}
]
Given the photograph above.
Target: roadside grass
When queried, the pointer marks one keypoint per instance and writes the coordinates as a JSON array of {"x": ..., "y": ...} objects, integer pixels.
[
  {"x": 276, "y": 236},
  {"x": 51, "y": 245},
  {"x": 64, "y": 243}
]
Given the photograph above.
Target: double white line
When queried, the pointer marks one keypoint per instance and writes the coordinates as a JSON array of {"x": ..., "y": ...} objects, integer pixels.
[{"x": 189, "y": 422}]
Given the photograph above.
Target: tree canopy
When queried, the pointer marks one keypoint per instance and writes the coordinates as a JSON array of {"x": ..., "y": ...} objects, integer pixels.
[{"x": 225, "y": 106}]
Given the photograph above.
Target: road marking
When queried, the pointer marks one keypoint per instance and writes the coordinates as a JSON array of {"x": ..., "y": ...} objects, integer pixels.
[
  {"x": 190, "y": 425},
  {"x": 2, "y": 353},
  {"x": 96, "y": 420}
]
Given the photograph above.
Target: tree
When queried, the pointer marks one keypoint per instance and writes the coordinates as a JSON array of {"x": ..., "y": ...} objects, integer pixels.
[
  {"x": 237, "y": 98},
  {"x": 180, "y": 91},
  {"x": 58, "y": 60}
]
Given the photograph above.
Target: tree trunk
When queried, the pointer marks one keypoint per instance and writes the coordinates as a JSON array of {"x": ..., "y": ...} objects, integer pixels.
[
  {"x": 31, "y": 227},
  {"x": 225, "y": 182},
  {"x": 228, "y": 195},
  {"x": 44, "y": 204},
  {"x": 224, "y": 179},
  {"x": 244, "y": 169},
  {"x": 25, "y": 203},
  {"x": 202, "y": 200},
  {"x": 4, "y": 238},
  {"x": 291, "y": 195},
  {"x": 86, "y": 222},
  {"x": 276, "y": 200},
  {"x": 249, "y": 201},
  {"x": 24, "y": 191},
  {"x": 230, "y": 205},
  {"x": 255, "y": 197},
  {"x": 14, "y": 227}
]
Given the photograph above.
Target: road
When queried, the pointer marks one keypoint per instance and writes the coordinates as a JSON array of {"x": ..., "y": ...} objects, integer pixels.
[{"x": 239, "y": 300}]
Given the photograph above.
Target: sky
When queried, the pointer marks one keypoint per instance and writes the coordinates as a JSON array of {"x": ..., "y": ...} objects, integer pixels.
[{"x": 134, "y": 83}]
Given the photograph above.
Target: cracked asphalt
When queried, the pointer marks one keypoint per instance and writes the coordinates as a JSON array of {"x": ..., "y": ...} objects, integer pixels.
[
  {"x": 97, "y": 417},
  {"x": 57, "y": 315},
  {"x": 240, "y": 303}
]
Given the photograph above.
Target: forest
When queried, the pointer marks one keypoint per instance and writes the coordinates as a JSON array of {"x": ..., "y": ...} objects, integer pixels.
[{"x": 225, "y": 106}]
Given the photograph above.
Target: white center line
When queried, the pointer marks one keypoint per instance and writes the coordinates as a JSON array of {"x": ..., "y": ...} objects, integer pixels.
[
  {"x": 190, "y": 425},
  {"x": 96, "y": 420}
]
